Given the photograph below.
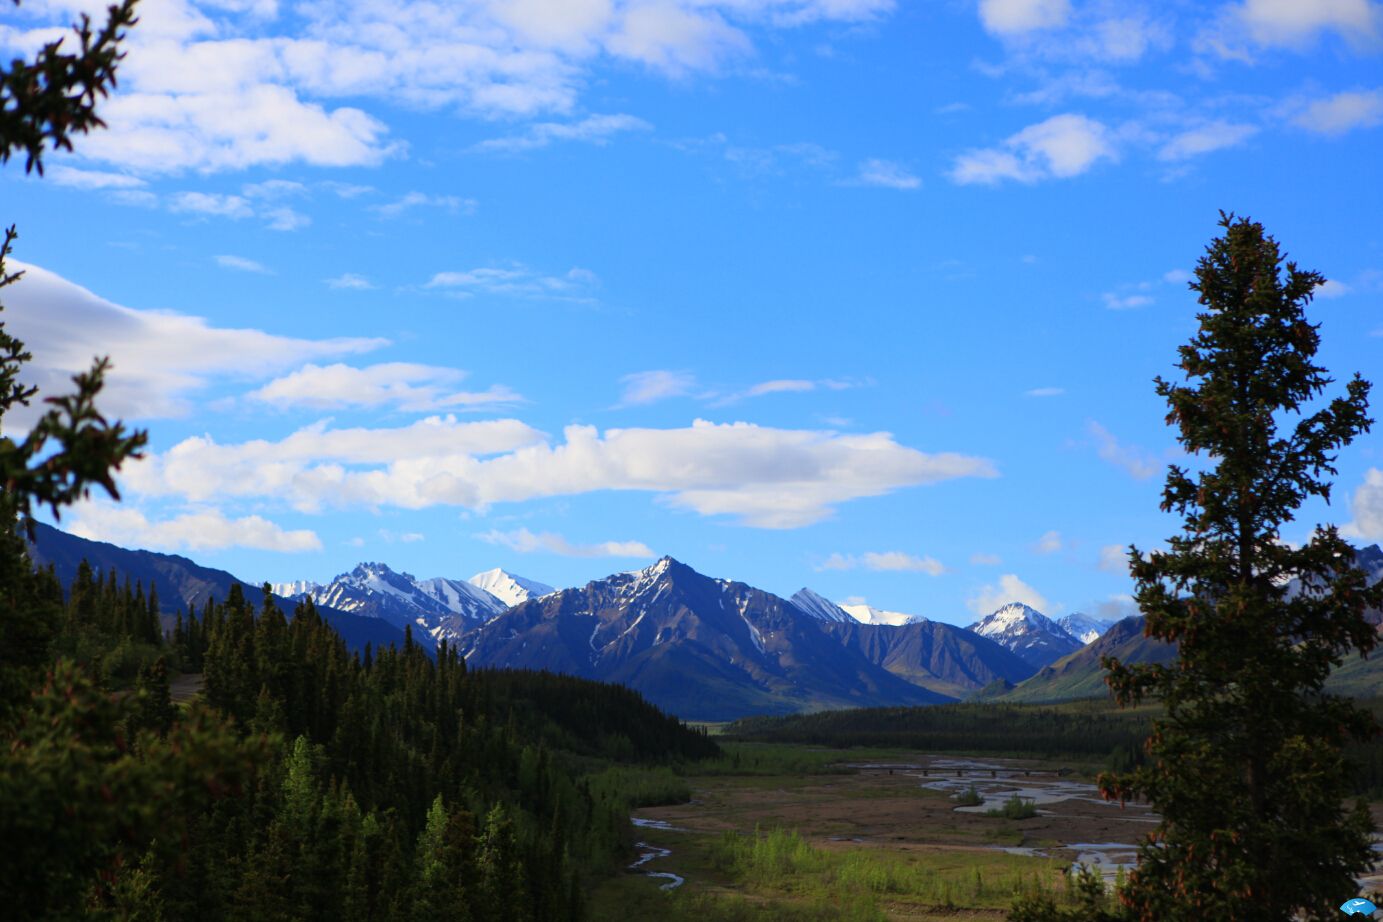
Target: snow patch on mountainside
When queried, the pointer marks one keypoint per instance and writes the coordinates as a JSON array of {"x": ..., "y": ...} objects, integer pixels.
[
  {"x": 1083, "y": 627},
  {"x": 818, "y": 606}
]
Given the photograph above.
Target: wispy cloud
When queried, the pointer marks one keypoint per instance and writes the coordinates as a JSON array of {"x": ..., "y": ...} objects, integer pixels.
[
  {"x": 241, "y": 264},
  {"x": 645, "y": 387},
  {"x": 887, "y": 175},
  {"x": 517, "y": 281},
  {"x": 1049, "y": 543},
  {"x": 1045, "y": 392},
  {"x": 411, "y": 201},
  {"x": 594, "y": 129},
  {"x": 884, "y": 561},
  {"x": 1138, "y": 463},
  {"x": 350, "y": 281},
  {"x": 526, "y": 542},
  {"x": 1342, "y": 113}
]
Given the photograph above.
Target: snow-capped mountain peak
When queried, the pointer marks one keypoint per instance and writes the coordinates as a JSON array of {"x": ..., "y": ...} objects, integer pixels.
[
  {"x": 818, "y": 606},
  {"x": 508, "y": 588},
  {"x": 1027, "y": 632},
  {"x": 1083, "y": 627},
  {"x": 868, "y": 614}
]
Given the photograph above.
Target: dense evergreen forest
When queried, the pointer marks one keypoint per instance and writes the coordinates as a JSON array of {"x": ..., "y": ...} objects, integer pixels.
[{"x": 305, "y": 781}]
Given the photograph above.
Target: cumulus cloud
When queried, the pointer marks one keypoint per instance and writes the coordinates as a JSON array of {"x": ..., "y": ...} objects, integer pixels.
[
  {"x": 526, "y": 542},
  {"x": 402, "y": 385},
  {"x": 1010, "y": 588},
  {"x": 594, "y": 129},
  {"x": 1125, "y": 302},
  {"x": 884, "y": 561},
  {"x": 1012, "y": 17},
  {"x": 1331, "y": 289},
  {"x": 284, "y": 72},
  {"x": 206, "y": 530},
  {"x": 763, "y": 477},
  {"x": 1366, "y": 505},
  {"x": 1342, "y": 113},
  {"x": 90, "y": 179},
  {"x": 1058, "y": 148},
  {"x": 159, "y": 358},
  {"x": 645, "y": 387},
  {"x": 1138, "y": 463},
  {"x": 1296, "y": 24},
  {"x": 1049, "y": 543}
]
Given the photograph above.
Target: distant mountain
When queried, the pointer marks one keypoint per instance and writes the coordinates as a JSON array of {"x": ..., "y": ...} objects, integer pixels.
[
  {"x": 819, "y": 607},
  {"x": 866, "y": 614},
  {"x": 1027, "y": 632},
  {"x": 440, "y": 607},
  {"x": 508, "y": 588},
  {"x": 183, "y": 584},
  {"x": 1080, "y": 674},
  {"x": 939, "y": 657},
  {"x": 1083, "y": 627},
  {"x": 701, "y": 648}
]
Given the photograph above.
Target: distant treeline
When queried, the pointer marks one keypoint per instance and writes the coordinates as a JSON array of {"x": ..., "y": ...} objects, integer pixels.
[
  {"x": 307, "y": 782},
  {"x": 1069, "y": 731}
]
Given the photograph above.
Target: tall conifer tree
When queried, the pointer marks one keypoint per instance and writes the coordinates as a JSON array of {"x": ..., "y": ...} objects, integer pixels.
[{"x": 1247, "y": 768}]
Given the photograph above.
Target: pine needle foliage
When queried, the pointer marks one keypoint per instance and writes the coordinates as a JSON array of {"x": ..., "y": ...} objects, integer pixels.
[{"x": 1247, "y": 767}]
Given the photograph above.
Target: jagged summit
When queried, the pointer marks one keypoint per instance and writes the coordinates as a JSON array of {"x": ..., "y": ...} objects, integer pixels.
[
  {"x": 867, "y": 614},
  {"x": 509, "y": 588},
  {"x": 818, "y": 606},
  {"x": 1027, "y": 632}
]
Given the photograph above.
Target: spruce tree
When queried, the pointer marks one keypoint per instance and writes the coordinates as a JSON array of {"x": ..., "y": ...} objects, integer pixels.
[{"x": 1246, "y": 768}]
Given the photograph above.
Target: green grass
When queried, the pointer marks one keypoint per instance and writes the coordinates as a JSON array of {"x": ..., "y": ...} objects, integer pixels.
[
  {"x": 970, "y": 797},
  {"x": 770, "y": 759}
]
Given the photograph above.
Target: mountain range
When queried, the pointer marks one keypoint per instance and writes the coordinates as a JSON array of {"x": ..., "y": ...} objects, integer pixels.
[{"x": 700, "y": 647}]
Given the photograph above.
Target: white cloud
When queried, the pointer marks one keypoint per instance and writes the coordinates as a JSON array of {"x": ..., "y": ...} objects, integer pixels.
[
  {"x": 1343, "y": 112},
  {"x": 884, "y": 561},
  {"x": 1204, "y": 139},
  {"x": 403, "y": 385},
  {"x": 205, "y": 87},
  {"x": 782, "y": 386},
  {"x": 1045, "y": 392},
  {"x": 1058, "y": 148},
  {"x": 645, "y": 387},
  {"x": 985, "y": 560},
  {"x": 1330, "y": 289},
  {"x": 1117, "y": 302},
  {"x": 1013, "y": 17},
  {"x": 1176, "y": 276},
  {"x": 1049, "y": 543},
  {"x": 990, "y": 597},
  {"x": 594, "y": 129},
  {"x": 886, "y": 174},
  {"x": 764, "y": 477},
  {"x": 452, "y": 203},
  {"x": 159, "y": 358},
  {"x": 517, "y": 281},
  {"x": 350, "y": 281},
  {"x": 210, "y": 203},
  {"x": 1138, "y": 463},
  {"x": 90, "y": 179},
  {"x": 1114, "y": 558},
  {"x": 206, "y": 530},
  {"x": 240, "y": 263},
  {"x": 1297, "y": 23},
  {"x": 526, "y": 542},
  {"x": 1367, "y": 508},
  {"x": 284, "y": 218}
]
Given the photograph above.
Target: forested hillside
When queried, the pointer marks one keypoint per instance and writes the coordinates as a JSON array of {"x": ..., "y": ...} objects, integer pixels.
[{"x": 306, "y": 781}]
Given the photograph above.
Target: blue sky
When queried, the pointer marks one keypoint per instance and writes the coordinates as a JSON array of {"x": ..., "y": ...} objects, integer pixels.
[{"x": 849, "y": 294}]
